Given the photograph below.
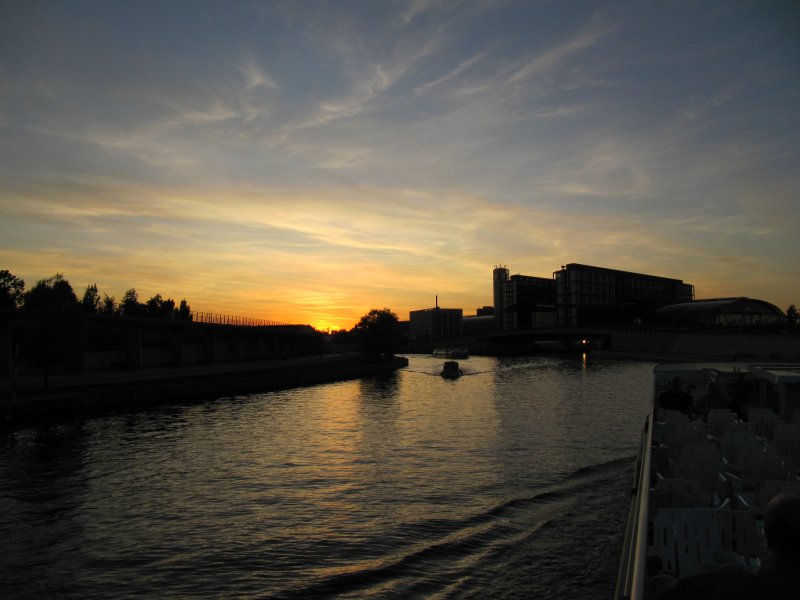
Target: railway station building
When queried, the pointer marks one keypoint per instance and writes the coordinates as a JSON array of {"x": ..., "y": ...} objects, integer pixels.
[{"x": 723, "y": 313}]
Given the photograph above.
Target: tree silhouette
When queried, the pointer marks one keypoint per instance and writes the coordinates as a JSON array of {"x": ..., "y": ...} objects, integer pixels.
[
  {"x": 130, "y": 305},
  {"x": 344, "y": 337},
  {"x": 108, "y": 306},
  {"x": 91, "y": 300},
  {"x": 53, "y": 293},
  {"x": 791, "y": 316},
  {"x": 11, "y": 289},
  {"x": 184, "y": 313},
  {"x": 158, "y": 308},
  {"x": 378, "y": 332},
  {"x": 53, "y": 342}
]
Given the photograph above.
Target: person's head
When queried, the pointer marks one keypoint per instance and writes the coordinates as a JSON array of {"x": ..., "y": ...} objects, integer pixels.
[{"x": 782, "y": 525}]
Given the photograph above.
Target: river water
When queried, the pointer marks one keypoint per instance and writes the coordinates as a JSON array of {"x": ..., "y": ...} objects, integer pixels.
[{"x": 512, "y": 481}]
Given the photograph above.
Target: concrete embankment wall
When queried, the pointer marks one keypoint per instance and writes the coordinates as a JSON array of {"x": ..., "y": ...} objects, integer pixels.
[
  {"x": 646, "y": 342},
  {"x": 176, "y": 385},
  {"x": 685, "y": 345},
  {"x": 737, "y": 345}
]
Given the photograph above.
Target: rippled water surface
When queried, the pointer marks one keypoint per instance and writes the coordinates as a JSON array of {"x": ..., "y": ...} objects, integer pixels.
[{"x": 510, "y": 481}]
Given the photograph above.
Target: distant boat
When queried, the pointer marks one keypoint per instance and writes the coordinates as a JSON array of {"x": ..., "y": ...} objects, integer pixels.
[
  {"x": 451, "y": 353},
  {"x": 451, "y": 370}
]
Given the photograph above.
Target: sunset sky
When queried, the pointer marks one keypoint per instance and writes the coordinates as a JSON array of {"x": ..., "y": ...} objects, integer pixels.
[{"x": 307, "y": 161}]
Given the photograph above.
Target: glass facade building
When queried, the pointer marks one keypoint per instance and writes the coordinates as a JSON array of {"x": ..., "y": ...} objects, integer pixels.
[
  {"x": 523, "y": 302},
  {"x": 528, "y": 302},
  {"x": 587, "y": 295}
]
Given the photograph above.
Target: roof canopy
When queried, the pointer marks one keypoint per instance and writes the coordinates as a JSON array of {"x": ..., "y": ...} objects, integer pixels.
[{"x": 723, "y": 311}]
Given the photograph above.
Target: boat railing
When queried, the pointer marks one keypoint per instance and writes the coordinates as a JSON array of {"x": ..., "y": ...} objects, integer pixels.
[{"x": 632, "y": 574}]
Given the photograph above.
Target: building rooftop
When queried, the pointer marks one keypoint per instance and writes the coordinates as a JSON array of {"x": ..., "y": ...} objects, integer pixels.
[
  {"x": 699, "y": 310},
  {"x": 617, "y": 271}
]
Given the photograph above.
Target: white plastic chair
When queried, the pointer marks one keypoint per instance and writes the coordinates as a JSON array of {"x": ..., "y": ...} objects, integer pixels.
[
  {"x": 742, "y": 532},
  {"x": 787, "y": 439},
  {"x": 764, "y": 420},
  {"x": 771, "y": 468},
  {"x": 719, "y": 420},
  {"x": 700, "y": 450},
  {"x": 672, "y": 417},
  {"x": 664, "y": 546},
  {"x": 674, "y": 420},
  {"x": 692, "y": 541},
  {"x": 741, "y": 426},
  {"x": 659, "y": 429},
  {"x": 677, "y": 440},
  {"x": 706, "y": 470},
  {"x": 747, "y": 501},
  {"x": 741, "y": 447},
  {"x": 682, "y": 493}
]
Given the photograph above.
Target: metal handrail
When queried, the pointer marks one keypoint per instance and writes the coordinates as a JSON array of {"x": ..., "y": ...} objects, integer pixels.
[
  {"x": 632, "y": 571},
  {"x": 639, "y": 575}
]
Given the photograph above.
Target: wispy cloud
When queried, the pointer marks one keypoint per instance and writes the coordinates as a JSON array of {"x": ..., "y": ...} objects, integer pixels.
[
  {"x": 419, "y": 143},
  {"x": 458, "y": 70},
  {"x": 555, "y": 58},
  {"x": 254, "y": 75},
  {"x": 372, "y": 80}
]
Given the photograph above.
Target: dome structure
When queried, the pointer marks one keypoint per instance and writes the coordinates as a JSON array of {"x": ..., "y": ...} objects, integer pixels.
[{"x": 736, "y": 312}]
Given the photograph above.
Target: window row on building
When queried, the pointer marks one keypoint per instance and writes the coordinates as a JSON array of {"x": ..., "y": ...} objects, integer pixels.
[{"x": 582, "y": 295}]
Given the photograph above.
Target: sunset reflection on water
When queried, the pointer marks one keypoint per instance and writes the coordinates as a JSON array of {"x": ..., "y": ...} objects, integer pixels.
[{"x": 452, "y": 488}]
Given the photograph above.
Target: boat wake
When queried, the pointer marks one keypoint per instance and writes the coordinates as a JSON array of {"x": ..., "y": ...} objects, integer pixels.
[
  {"x": 438, "y": 373},
  {"x": 522, "y": 543}
]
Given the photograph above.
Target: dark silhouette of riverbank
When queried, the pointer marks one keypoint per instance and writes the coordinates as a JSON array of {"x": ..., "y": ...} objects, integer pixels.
[
  {"x": 56, "y": 364},
  {"x": 73, "y": 394}
]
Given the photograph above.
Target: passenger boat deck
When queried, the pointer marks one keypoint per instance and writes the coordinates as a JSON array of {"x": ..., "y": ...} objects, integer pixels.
[{"x": 706, "y": 472}]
